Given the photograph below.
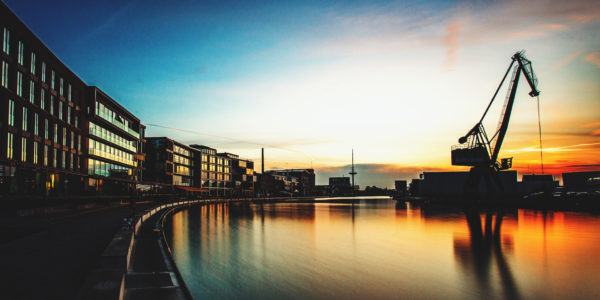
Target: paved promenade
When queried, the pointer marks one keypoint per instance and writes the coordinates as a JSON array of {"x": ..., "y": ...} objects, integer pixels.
[{"x": 53, "y": 262}]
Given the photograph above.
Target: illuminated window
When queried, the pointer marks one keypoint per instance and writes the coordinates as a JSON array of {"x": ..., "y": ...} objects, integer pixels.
[
  {"x": 45, "y": 155},
  {"x": 56, "y": 133},
  {"x": 60, "y": 110},
  {"x": 69, "y": 114},
  {"x": 60, "y": 87},
  {"x": 71, "y": 162},
  {"x": 52, "y": 104},
  {"x": 63, "y": 161},
  {"x": 69, "y": 93},
  {"x": 11, "y": 112},
  {"x": 72, "y": 139},
  {"x": 24, "y": 119},
  {"x": 43, "y": 99},
  {"x": 43, "y": 71},
  {"x": 35, "y": 124},
  {"x": 4, "y": 74},
  {"x": 9, "y": 146},
  {"x": 31, "y": 91},
  {"x": 46, "y": 128},
  {"x": 64, "y": 136},
  {"x": 52, "y": 77},
  {"x": 35, "y": 153},
  {"x": 23, "y": 149},
  {"x": 78, "y": 143},
  {"x": 32, "y": 68},
  {"x": 20, "y": 54},
  {"x": 6, "y": 41},
  {"x": 54, "y": 158},
  {"x": 19, "y": 84}
]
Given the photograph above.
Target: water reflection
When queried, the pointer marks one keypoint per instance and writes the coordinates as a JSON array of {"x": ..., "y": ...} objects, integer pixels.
[
  {"x": 384, "y": 249},
  {"x": 483, "y": 249}
]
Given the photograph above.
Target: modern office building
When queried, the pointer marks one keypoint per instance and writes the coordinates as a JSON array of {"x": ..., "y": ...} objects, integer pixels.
[
  {"x": 41, "y": 107},
  {"x": 114, "y": 144},
  {"x": 169, "y": 162},
  {"x": 58, "y": 136},
  {"x": 206, "y": 160},
  {"x": 242, "y": 175}
]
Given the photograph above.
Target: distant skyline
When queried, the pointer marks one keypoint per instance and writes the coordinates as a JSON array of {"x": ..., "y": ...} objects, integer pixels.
[{"x": 310, "y": 80}]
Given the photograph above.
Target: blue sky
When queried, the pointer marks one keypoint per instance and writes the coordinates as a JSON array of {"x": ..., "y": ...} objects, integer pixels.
[{"x": 309, "y": 80}]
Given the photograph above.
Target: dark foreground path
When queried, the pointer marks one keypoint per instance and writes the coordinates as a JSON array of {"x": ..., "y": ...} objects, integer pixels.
[{"x": 53, "y": 263}]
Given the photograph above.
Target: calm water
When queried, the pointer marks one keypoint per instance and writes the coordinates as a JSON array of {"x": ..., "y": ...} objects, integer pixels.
[{"x": 378, "y": 249}]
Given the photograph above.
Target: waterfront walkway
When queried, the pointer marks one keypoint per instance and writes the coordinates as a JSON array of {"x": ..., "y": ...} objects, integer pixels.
[{"x": 52, "y": 262}]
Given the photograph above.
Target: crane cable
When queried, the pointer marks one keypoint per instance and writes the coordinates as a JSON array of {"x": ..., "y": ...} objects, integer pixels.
[{"x": 540, "y": 130}]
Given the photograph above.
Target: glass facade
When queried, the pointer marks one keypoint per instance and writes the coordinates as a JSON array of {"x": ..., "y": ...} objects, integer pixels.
[
  {"x": 101, "y": 168},
  {"x": 6, "y": 41},
  {"x": 4, "y": 74},
  {"x": 107, "y": 114},
  {"x": 9, "y": 146},
  {"x": 104, "y": 134},
  {"x": 100, "y": 149}
]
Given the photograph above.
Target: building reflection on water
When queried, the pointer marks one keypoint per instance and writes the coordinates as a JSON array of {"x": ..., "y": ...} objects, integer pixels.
[{"x": 383, "y": 249}]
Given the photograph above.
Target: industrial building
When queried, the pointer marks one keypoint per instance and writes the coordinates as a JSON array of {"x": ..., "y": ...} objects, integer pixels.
[
  {"x": 581, "y": 181},
  {"x": 305, "y": 178}
]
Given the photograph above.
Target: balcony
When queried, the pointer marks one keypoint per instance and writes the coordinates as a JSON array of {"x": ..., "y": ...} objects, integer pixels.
[{"x": 118, "y": 124}]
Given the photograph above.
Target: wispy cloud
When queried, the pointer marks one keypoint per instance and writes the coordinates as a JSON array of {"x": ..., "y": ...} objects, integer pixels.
[
  {"x": 451, "y": 43},
  {"x": 569, "y": 148},
  {"x": 567, "y": 60},
  {"x": 593, "y": 58}
]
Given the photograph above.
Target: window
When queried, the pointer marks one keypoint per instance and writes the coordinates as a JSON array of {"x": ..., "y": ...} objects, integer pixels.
[
  {"x": 76, "y": 121},
  {"x": 31, "y": 91},
  {"x": 52, "y": 104},
  {"x": 78, "y": 143},
  {"x": 24, "y": 118},
  {"x": 43, "y": 98},
  {"x": 23, "y": 149},
  {"x": 64, "y": 136},
  {"x": 60, "y": 110},
  {"x": 20, "y": 54},
  {"x": 45, "y": 155},
  {"x": 43, "y": 71},
  {"x": 56, "y": 133},
  {"x": 11, "y": 112},
  {"x": 4, "y": 74},
  {"x": 71, "y": 162},
  {"x": 61, "y": 87},
  {"x": 63, "y": 161},
  {"x": 53, "y": 75},
  {"x": 19, "y": 84},
  {"x": 9, "y": 144},
  {"x": 6, "y": 41},
  {"x": 54, "y": 158},
  {"x": 69, "y": 114},
  {"x": 35, "y": 153},
  {"x": 69, "y": 93},
  {"x": 72, "y": 139},
  {"x": 46, "y": 128},
  {"x": 32, "y": 68},
  {"x": 35, "y": 124}
]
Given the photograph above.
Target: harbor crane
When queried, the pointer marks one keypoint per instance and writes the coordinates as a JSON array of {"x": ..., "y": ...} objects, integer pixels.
[{"x": 480, "y": 151}]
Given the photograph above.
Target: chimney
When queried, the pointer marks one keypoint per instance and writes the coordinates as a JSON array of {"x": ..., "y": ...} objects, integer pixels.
[{"x": 262, "y": 160}]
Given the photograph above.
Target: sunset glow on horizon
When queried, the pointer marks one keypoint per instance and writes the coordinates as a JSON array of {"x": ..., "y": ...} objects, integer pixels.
[{"x": 310, "y": 80}]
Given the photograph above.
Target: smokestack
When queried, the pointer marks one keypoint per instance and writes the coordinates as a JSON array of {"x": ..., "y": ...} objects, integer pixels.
[{"x": 262, "y": 160}]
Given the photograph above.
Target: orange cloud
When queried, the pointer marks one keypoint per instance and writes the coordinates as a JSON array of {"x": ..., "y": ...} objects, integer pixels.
[
  {"x": 451, "y": 42},
  {"x": 594, "y": 58}
]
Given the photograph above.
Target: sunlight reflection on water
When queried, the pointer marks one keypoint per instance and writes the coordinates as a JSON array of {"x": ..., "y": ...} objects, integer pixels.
[{"x": 383, "y": 249}]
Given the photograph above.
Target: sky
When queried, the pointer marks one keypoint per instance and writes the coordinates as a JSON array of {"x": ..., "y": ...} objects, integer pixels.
[{"x": 398, "y": 82}]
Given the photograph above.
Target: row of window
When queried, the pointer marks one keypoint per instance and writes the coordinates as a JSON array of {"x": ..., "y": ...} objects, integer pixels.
[
  {"x": 181, "y": 150},
  {"x": 183, "y": 170},
  {"x": 101, "y": 168},
  {"x": 107, "y": 114},
  {"x": 107, "y": 135},
  {"x": 65, "y": 161},
  {"x": 100, "y": 149},
  {"x": 181, "y": 160},
  {"x": 181, "y": 181},
  {"x": 46, "y": 126},
  {"x": 32, "y": 68}
]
